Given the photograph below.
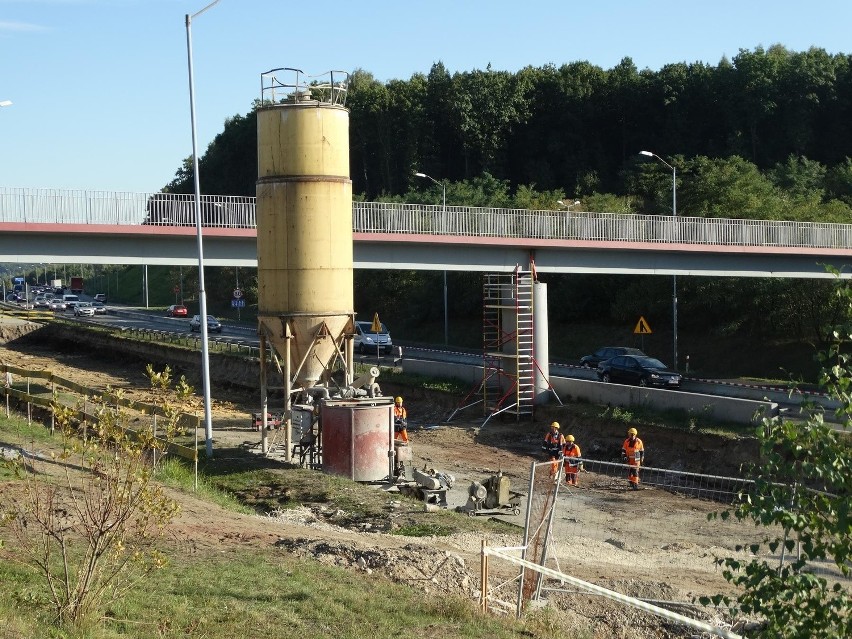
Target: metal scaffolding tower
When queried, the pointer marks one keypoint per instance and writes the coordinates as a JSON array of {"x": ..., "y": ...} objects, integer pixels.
[{"x": 508, "y": 375}]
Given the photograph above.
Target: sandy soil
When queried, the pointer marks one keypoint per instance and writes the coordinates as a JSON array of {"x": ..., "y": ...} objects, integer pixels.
[{"x": 652, "y": 543}]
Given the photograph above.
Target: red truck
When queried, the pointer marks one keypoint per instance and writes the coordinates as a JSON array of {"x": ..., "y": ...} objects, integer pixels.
[{"x": 76, "y": 285}]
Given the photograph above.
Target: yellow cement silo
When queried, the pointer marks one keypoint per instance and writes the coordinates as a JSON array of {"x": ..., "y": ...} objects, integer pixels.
[{"x": 304, "y": 226}]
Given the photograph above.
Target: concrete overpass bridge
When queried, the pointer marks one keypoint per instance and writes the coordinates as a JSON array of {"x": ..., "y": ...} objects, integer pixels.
[{"x": 103, "y": 227}]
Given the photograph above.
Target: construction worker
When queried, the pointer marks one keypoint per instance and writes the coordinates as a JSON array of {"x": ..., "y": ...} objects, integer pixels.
[
  {"x": 633, "y": 454},
  {"x": 400, "y": 420},
  {"x": 573, "y": 460},
  {"x": 554, "y": 442}
]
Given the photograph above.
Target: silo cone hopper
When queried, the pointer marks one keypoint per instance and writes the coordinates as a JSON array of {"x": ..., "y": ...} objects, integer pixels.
[{"x": 314, "y": 344}]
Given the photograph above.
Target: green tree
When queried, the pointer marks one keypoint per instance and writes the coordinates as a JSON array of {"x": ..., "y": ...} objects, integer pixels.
[
  {"x": 800, "y": 177},
  {"x": 801, "y": 496},
  {"x": 839, "y": 181},
  {"x": 485, "y": 106},
  {"x": 731, "y": 187},
  {"x": 92, "y": 536}
]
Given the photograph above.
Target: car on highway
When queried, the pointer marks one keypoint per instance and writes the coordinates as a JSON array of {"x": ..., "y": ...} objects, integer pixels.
[
  {"x": 369, "y": 341},
  {"x": 56, "y": 304},
  {"x": 100, "y": 297},
  {"x": 177, "y": 310},
  {"x": 640, "y": 370},
  {"x": 84, "y": 309},
  {"x": 100, "y": 308},
  {"x": 213, "y": 324},
  {"x": 41, "y": 302},
  {"x": 605, "y": 353}
]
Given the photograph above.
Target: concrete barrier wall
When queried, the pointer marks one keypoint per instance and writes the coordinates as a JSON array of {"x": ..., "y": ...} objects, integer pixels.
[
  {"x": 245, "y": 372},
  {"x": 726, "y": 409}
]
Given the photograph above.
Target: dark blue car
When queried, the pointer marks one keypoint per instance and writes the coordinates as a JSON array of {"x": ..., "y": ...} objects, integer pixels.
[
  {"x": 607, "y": 352},
  {"x": 640, "y": 370}
]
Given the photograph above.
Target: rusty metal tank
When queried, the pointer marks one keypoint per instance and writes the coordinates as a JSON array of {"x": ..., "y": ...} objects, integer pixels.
[
  {"x": 304, "y": 220},
  {"x": 357, "y": 438}
]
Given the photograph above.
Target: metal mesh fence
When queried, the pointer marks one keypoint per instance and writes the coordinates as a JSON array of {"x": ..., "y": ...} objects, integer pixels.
[{"x": 657, "y": 542}]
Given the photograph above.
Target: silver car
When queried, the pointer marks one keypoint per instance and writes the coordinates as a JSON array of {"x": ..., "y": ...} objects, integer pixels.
[
  {"x": 213, "y": 325},
  {"x": 84, "y": 309}
]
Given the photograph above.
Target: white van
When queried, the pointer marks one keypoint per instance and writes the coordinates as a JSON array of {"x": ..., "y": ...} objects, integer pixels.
[
  {"x": 70, "y": 301},
  {"x": 367, "y": 341}
]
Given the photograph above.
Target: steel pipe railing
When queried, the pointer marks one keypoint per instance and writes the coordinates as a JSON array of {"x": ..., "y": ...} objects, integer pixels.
[{"x": 76, "y": 207}]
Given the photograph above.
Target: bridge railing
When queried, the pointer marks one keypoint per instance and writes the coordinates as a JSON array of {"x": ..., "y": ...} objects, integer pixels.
[{"x": 223, "y": 211}]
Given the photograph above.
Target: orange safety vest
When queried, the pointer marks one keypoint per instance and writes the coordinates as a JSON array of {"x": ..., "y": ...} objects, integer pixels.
[
  {"x": 572, "y": 457},
  {"x": 634, "y": 450},
  {"x": 554, "y": 443},
  {"x": 400, "y": 415}
]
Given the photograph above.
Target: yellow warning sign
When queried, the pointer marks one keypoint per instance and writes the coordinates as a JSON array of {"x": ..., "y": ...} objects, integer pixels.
[
  {"x": 377, "y": 325},
  {"x": 642, "y": 327}
]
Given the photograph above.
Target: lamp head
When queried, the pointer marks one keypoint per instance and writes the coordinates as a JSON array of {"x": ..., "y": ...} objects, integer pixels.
[
  {"x": 420, "y": 174},
  {"x": 6, "y": 103},
  {"x": 648, "y": 153}
]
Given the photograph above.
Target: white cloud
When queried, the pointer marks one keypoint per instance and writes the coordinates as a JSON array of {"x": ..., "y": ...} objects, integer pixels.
[{"x": 20, "y": 27}]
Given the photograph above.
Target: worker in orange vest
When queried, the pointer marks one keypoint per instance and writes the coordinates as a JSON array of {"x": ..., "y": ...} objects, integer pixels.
[
  {"x": 554, "y": 442},
  {"x": 573, "y": 460},
  {"x": 633, "y": 454},
  {"x": 400, "y": 421}
]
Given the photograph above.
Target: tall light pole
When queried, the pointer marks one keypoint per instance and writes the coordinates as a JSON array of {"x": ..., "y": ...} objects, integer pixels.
[
  {"x": 674, "y": 277},
  {"x": 202, "y": 294},
  {"x": 443, "y": 186}
]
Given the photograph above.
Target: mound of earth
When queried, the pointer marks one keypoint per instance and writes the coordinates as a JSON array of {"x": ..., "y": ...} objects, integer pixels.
[{"x": 471, "y": 453}]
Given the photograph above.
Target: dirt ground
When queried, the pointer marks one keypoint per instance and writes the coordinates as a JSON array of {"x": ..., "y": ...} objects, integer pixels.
[{"x": 651, "y": 544}]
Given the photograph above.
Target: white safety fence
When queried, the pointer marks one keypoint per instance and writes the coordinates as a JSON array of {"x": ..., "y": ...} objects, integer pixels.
[
  {"x": 585, "y": 586},
  {"x": 654, "y": 546}
]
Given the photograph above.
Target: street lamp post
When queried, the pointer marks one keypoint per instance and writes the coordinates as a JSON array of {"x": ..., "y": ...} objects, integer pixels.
[
  {"x": 443, "y": 186},
  {"x": 202, "y": 294},
  {"x": 568, "y": 205},
  {"x": 674, "y": 277}
]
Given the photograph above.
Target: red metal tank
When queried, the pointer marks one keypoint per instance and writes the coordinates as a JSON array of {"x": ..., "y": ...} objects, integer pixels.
[{"x": 357, "y": 438}]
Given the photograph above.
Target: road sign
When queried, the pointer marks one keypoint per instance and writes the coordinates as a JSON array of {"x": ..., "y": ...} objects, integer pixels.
[
  {"x": 238, "y": 293},
  {"x": 642, "y": 327},
  {"x": 238, "y": 303},
  {"x": 377, "y": 325}
]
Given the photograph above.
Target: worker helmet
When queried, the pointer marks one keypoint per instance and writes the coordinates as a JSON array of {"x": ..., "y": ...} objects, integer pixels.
[
  {"x": 632, "y": 431},
  {"x": 398, "y": 400},
  {"x": 555, "y": 425},
  {"x": 570, "y": 438}
]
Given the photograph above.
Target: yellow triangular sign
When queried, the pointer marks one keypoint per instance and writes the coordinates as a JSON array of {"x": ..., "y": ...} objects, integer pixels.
[
  {"x": 642, "y": 327},
  {"x": 377, "y": 325}
]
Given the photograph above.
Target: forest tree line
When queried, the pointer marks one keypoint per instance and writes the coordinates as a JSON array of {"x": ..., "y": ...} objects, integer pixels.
[{"x": 765, "y": 135}]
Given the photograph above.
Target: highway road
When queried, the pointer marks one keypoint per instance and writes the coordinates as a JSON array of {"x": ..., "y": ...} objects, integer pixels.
[{"x": 142, "y": 319}]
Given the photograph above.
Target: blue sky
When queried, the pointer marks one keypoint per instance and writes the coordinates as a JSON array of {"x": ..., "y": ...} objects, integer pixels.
[{"x": 100, "y": 87}]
